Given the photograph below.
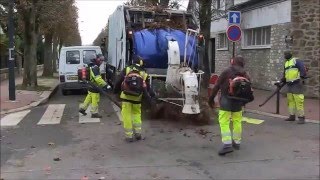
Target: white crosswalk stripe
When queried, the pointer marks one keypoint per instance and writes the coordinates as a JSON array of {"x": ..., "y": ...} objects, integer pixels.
[
  {"x": 87, "y": 119},
  {"x": 13, "y": 119},
  {"x": 53, "y": 114}
]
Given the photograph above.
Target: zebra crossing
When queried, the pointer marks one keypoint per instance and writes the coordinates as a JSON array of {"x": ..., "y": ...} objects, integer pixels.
[{"x": 52, "y": 115}]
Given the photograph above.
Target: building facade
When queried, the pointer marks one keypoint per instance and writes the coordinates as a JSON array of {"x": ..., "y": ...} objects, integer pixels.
[{"x": 269, "y": 27}]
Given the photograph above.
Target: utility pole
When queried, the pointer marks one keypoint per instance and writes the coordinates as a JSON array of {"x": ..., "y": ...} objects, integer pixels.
[{"x": 11, "y": 64}]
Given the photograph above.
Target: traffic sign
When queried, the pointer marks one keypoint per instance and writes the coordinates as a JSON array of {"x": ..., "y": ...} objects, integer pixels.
[
  {"x": 234, "y": 33},
  {"x": 234, "y": 17}
]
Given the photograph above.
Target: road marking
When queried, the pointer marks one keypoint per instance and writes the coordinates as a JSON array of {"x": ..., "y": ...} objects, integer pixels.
[
  {"x": 87, "y": 118},
  {"x": 117, "y": 110},
  {"x": 53, "y": 114},
  {"x": 14, "y": 118}
]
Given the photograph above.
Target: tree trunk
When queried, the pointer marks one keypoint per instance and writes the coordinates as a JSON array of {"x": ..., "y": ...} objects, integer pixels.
[
  {"x": 205, "y": 15},
  {"x": 19, "y": 63},
  {"x": 47, "y": 65},
  {"x": 60, "y": 45},
  {"x": 30, "y": 38},
  {"x": 55, "y": 52}
]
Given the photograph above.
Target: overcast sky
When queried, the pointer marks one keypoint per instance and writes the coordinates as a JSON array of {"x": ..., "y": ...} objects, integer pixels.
[{"x": 94, "y": 14}]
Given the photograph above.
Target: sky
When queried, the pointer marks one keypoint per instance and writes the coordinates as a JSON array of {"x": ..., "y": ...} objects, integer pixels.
[{"x": 94, "y": 14}]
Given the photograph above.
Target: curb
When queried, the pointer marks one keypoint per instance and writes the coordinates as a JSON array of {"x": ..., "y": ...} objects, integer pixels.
[
  {"x": 277, "y": 115},
  {"x": 45, "y": 96}
]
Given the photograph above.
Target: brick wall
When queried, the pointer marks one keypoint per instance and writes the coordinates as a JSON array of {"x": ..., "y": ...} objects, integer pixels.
[{"x": 306, "y": 39}]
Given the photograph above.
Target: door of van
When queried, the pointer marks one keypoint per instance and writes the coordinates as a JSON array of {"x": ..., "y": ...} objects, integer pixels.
[{"x": 72, "y": 64}]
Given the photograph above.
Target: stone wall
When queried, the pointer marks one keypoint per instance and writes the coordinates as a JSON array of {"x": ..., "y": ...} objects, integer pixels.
[
  {"x": 265, "y": 66},
  {"x": 306, "y": 39}
]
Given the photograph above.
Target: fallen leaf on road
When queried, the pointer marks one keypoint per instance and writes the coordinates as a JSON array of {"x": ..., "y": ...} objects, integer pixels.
[
  {"x": 57, "y": 159},
  {"x": 47, "y": 169},
  {"x": 85, "y": 178}
]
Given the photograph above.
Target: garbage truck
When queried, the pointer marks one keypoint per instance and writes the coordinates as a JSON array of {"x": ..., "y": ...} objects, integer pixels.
[{"x": 168, "y": 42}]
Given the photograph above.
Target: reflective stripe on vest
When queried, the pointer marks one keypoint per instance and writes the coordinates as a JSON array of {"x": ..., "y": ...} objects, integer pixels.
[
  {"x": 292, "y": 72},
  {"x": 144, "y": 75}
]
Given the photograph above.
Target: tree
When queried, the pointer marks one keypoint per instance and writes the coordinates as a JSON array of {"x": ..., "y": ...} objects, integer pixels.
[
  {"x": 29, "y": 12},
  {"x": 206, "y": 11},
  {"x": 50, "y": 21}
]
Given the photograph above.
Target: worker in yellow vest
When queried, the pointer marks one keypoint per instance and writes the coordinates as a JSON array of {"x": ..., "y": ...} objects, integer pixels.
[
  {"x": 294, "y": 73},
  {"x": 93, "y": 96},
  {"x": 133, "y": 84}
]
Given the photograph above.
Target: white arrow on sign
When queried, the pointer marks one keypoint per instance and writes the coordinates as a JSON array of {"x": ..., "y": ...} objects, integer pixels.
[{"x": 234, "y": 17}]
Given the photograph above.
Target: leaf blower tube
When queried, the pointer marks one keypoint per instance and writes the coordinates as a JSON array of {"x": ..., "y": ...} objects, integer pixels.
[
  {"x": 84, "y": 77},
  {"x": 279, "y": 87}
]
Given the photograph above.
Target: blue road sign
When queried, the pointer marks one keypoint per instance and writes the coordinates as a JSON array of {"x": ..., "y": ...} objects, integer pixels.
[
  {"x": 234, "y": 33},
  {"x": 234, "y": 17}
]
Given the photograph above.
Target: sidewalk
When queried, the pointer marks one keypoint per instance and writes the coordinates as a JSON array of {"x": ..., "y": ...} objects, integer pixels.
[
  {"x": 311, "y": 105},
  {"x": 25, "y": 99}
]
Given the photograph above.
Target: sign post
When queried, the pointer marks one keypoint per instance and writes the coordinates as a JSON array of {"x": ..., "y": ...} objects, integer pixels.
[{"x": 234, "y": 30}]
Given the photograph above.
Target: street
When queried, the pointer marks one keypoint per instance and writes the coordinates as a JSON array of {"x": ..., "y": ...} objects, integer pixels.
[{"x": 53, "y": 142}]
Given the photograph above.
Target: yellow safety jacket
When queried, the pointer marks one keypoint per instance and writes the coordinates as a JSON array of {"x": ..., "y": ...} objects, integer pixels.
[
  {"x": 144, "y": 75},
  {"x": 292, "y": 72},
  {"x": 96, "y": 78}
]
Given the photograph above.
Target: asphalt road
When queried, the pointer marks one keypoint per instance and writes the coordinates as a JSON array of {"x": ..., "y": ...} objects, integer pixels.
[{"x": 171, "y": 150}]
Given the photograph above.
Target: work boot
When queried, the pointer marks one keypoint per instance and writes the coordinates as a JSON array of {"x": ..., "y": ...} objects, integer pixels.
[
  {"x": 82, "y": 111},
  {"x": 226, "y": 148},
  {"x": 138, "y": 136},
  {"x": 96, "y": 115},
  {"x": 129, "y": 139},
  {"x": 301, "y": 120},
  {"x": 235, "y": 145},
  {"x": 291, "y": 118}
]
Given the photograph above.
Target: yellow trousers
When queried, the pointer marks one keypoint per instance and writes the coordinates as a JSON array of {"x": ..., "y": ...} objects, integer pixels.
[
  {"x": 295, "y": 104},
  {"x": 131, "y": 117},
  {"x": 93, "y": 99},
  {"x": 224, "y": 121}
]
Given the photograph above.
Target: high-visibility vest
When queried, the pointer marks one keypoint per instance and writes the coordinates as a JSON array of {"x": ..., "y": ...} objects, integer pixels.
[
  {"x": 144, "y": 75},
  {"x": 292, "y": 72}
]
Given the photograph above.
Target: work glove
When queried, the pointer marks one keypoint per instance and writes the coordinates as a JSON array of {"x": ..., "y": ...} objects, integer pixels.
[
  {"x": 106, "y": 88},
  {"x": 211, "y": 101}
]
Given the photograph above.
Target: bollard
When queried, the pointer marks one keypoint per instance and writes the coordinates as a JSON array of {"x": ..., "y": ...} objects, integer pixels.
[{"x": 278, "y": 98}]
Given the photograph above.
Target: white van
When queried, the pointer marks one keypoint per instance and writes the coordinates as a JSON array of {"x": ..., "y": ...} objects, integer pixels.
[{"x": 73, "y": 58}]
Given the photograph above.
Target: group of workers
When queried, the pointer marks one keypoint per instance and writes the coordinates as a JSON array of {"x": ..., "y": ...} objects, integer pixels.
[{"x": 132, "y": 84}]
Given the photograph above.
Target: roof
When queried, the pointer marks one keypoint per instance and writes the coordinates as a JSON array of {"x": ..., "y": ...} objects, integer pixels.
[{"x": 253, "y": 3}]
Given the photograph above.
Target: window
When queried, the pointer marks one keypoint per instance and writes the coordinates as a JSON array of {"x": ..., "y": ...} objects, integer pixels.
[
  {"x": 257, "y": 37},
  {"x": 220, "y": 4},
  {"x": 88, "y": 55},
  {"x": 223, "y": 41},
  {"x": 73, "y": 57}
]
